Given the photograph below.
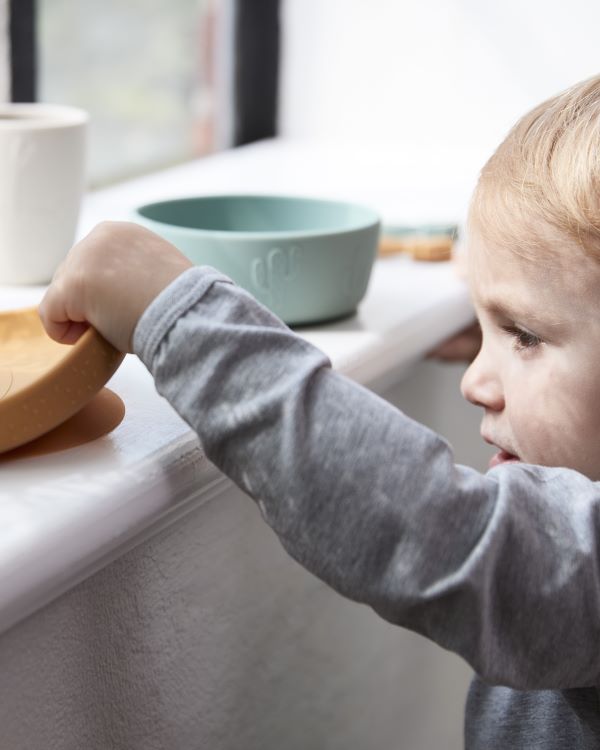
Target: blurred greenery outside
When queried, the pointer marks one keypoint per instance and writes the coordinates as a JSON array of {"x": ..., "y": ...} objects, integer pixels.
[{"x": 143, "y": 71}]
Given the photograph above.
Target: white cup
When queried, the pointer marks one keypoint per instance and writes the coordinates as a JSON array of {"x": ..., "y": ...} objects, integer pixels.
[{"x": 42, "y": 179}]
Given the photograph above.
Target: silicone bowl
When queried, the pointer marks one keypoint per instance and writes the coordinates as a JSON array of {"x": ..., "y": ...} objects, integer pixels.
[
  {"x": 306, "y": 259},
  {"x": 44, "y": 383}
]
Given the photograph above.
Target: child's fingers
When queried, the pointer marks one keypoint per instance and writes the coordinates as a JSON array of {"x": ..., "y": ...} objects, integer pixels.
[
  {"x": 62, "y": 321},
  {"x": 463, "y": 347},
  {"x": 73, "y": 332}
]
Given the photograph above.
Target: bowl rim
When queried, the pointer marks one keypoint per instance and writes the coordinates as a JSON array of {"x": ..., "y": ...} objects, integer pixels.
[{"x": 373, "y": 220}]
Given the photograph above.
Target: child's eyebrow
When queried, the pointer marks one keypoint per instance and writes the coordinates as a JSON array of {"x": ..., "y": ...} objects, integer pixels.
[{"x": 504, "y": 308}]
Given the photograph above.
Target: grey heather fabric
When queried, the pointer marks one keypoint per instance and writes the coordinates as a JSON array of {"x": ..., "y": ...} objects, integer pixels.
[{"x": 500, "y": 568}]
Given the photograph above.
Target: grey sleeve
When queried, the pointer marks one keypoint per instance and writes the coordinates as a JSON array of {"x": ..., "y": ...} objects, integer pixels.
[{"x": 500, "y": 568}]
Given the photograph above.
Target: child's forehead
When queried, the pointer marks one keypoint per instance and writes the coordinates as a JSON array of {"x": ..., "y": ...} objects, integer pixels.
[
  {"x": 527, "y": 246},
  {"x": 505, "y": 220},
  {"x": 547, "y": 286}
]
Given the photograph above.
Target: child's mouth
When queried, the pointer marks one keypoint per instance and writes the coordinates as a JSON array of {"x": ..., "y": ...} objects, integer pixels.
[{"x": 502, "y": 457}]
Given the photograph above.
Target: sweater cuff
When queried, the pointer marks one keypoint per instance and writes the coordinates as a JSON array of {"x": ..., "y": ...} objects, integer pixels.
[{"x": 170, "y": 305}]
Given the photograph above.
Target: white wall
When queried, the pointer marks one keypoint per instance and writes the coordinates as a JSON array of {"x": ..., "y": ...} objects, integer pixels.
[
  {"x": 4, "y": 53},
  {"x": 451, "y": 71}
]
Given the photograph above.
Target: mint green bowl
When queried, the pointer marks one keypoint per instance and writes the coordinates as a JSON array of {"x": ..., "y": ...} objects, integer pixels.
[{"x": 307, "y": 260}]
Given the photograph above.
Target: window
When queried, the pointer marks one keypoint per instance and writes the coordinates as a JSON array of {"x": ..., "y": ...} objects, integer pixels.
[{"x": 151, "y": 73}]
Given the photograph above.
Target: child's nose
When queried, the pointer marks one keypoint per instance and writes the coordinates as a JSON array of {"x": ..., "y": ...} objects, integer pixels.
[{"x": 481, "y": 384}]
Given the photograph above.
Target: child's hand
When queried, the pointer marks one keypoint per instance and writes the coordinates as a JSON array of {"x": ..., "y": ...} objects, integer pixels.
[
  {"x": 462, "y": 347},
  {"x": 107, "y": 280}
]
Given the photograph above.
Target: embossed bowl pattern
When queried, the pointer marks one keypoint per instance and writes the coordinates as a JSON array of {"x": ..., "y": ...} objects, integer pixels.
[{"x": 308, "y": 260}]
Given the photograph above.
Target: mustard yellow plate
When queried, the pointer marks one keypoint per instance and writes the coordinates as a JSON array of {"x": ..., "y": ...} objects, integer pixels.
[{"x": 44, "y": 383}]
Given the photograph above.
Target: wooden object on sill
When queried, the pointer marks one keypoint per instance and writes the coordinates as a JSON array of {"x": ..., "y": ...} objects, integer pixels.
[{"x": 426, "y": 244}]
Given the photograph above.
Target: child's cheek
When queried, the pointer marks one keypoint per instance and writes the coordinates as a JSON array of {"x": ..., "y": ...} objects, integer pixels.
[
  {"x": 559, "y": 429},
  {"x": 541, "y": 431}
]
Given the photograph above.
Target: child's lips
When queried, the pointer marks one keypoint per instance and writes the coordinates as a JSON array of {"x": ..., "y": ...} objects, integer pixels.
[{"x": 502, "y": 457}]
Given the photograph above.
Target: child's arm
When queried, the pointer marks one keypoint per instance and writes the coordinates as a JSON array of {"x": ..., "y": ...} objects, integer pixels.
[{"x": 501, "y": 568}]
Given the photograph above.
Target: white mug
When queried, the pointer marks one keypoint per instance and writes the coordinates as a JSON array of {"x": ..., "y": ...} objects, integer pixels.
[{"x": 42, "y": 180}]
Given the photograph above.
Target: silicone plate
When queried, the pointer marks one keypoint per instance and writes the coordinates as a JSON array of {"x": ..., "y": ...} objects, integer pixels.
[{"x": 43, "y": 383}]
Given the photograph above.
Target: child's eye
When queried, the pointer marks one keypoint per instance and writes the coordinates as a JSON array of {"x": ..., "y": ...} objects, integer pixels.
[{"x": 523, "y": 339}]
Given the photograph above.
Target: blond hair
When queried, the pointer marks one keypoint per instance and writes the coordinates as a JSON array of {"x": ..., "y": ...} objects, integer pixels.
[{"x": 542, "y": 184}]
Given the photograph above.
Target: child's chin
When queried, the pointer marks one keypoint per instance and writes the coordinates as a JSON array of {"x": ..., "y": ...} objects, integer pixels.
[{"x": 502, "y": 457}]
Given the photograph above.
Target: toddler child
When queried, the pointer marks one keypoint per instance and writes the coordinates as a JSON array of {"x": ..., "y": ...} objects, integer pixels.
[{"x": 502, "y": 568}]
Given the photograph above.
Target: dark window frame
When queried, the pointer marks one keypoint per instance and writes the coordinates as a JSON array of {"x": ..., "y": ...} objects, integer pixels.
[
  {"x": 23, "y": 51},
  {"x": 256, "y": 79}
]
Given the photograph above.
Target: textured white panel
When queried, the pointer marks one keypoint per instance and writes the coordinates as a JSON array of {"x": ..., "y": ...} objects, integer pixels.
[
  {"x": 209, "y": 636},
  {"x": 4, "y": 52}
]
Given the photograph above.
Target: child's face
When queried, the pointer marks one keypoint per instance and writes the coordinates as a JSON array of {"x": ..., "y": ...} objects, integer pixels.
[{"x": 538, "y": 372}]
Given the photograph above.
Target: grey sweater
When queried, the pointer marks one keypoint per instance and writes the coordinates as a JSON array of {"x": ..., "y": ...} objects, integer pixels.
[{"x": 500, "y": 568}]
